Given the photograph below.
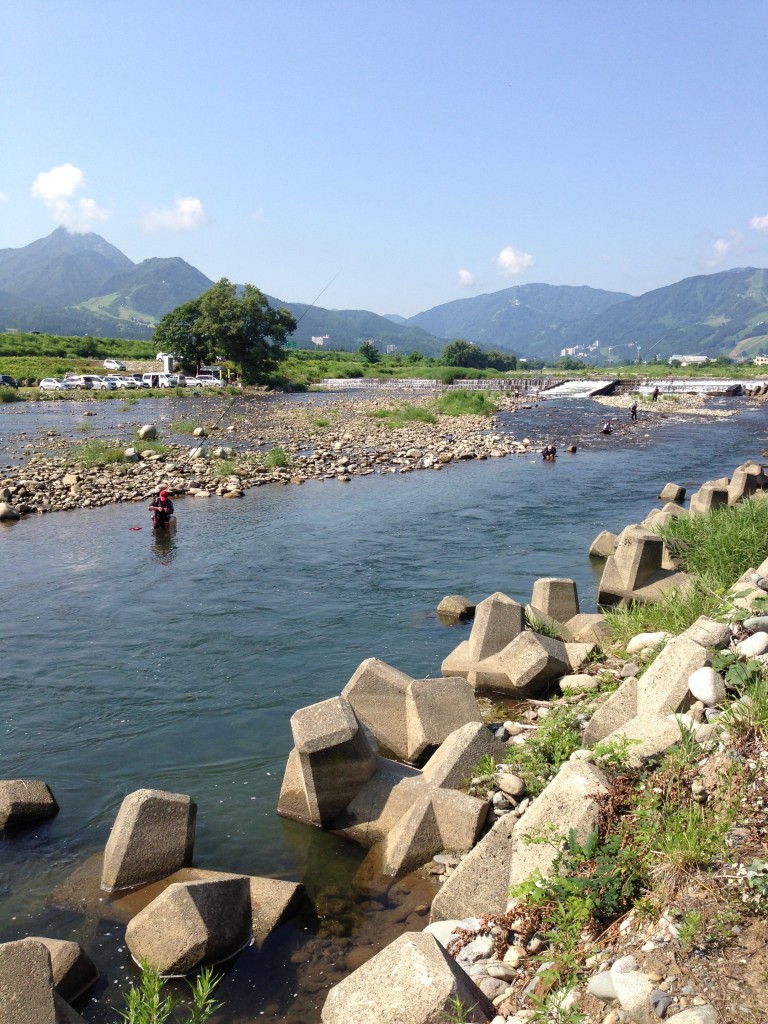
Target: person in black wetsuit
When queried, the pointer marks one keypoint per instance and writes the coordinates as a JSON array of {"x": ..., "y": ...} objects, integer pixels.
[{"x": 162, "y": 510}]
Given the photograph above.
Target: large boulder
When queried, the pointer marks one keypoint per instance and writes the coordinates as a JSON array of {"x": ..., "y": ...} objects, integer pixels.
[
  {"x": 8, "y": 512},
  {"x": 191, "y": 924},
  {"x": 413, "y": 980},
  {"x": 148, "y": 432},
  {"x": 25, "y": 802},
  {"x": 153, "y": 836}
]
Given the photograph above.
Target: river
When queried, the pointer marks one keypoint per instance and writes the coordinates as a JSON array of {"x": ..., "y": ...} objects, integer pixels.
[{"x": 129, "y": 662}]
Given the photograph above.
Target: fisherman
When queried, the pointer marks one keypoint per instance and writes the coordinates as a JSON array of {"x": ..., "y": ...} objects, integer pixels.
[
  {"x": 633, "y": 411},
  {"x": 607, "y": 428},
  {"x": 548, "y": 453},
  {"x": 162, "y": 510},
  {"x": 655, "y": 393}
]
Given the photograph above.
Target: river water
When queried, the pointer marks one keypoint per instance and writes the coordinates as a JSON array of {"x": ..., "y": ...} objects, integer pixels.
[{"x": 129, "y": 662}]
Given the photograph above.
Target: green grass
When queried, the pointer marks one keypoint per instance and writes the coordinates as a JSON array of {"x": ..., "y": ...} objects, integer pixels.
[
  {"x": 95, "y": 453},
  {"x": 277, "y": 458},
  {"x": 10, "y": 395},
  {"x": 152, "y": 446},
  {"x": 404, "y": 413},
  {"x": 466, "y": 403},
  {"x": 147, "y": 1003},
  {"x": 538, "y": 759},
  {"x": 184, "y": 426},
  {"x": 675, "y": 612}
]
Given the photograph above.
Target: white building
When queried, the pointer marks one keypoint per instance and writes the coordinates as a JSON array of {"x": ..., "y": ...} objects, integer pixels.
[{"x": 689, "y": 360}]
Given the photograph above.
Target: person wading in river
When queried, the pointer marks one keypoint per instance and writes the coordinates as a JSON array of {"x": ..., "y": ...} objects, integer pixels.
[{"x": 162, "y": 510}]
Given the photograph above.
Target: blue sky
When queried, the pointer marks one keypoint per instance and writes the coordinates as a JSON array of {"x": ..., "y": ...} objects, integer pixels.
[{"x": 410, "y": 152}]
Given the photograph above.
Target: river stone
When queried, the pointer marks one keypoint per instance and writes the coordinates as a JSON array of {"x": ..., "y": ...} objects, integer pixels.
[
  {"x": 148, "y": 432},
  {"x": 633, "y": 990},
  {"x": 601, "y": 987},
  {"x": 510, "y": 784},
  {"x": 412, "y": 979},
  {"x": 647, "y": 641},
  {"x": 753, "y": 645},
  {"x": 8, "y": 511},
  {"x": 25, "y": 802},
  {"x": 200, "y": 432},
  {"x": 579, "y": 683},
  {"x": 707, "y": 686},
  {"x": 26, "y": 984},
  {"x": 709, "y": 633},
  {"x": 153, "y": 836},
  {"x": 756, "y": 624},
  {"x": 706, "y": 1014}
]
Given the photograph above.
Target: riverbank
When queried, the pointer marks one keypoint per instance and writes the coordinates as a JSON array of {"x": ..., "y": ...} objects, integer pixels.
[{"x": 258, "y": 439}]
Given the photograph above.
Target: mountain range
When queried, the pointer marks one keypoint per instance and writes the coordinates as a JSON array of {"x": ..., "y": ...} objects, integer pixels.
[{"x": 81, "y": 284}]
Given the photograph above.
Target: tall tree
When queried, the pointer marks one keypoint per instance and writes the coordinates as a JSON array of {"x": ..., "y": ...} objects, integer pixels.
[{"x": 243, "y": 329}]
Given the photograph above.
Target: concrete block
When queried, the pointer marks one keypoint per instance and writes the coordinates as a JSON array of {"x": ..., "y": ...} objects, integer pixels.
[
  {"x": 25, "y": 802},
  {"x": 412, "y": 979},
  {"x": 434, "y": 708},
  {"x": 192, "y": 924},
  {"x": 647, "y": 736},
  {"x": 153, "y": 836},
  {"x": 617, "y": 710},
  {"x": 459, "y": 662},
  {"x": 452, "y": 763},
  {"x": 524, "y": 667},
  {"x": 72, "y": 970},
  {"x": 376, "y": 692},
  {"x": 672, "y": 492},
  {"x": 334, "y": 755},
  {"x": 480, "y": 883},
  {"x": 589, "y": 628},
  {"x": 708, "y": 497},
  {"x": 556, "y": 596},
  {"x": 663, "y": 688},
  {"x": 455, "y": 608},
  {"x": 604, "y": 545},
  {"x": 26, "y": 984},
  {"x": 498, "y": 620}
]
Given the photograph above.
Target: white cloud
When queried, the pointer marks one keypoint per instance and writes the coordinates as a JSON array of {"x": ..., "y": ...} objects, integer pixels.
[
  {"x": 3, "y": 197},
  {"x": 466, "y": 278},
  {"x": 512, "y": 262},
  {"x": 724, "y": 248},
  {"x": 56, "y": 188},
  {"x": 759, "y": 223},
  {"x": 187, "y": 215}
]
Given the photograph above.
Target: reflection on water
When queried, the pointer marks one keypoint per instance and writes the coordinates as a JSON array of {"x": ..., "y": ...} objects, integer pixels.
[
  {"x": 175, "y": 662},
  {"x": 164, "y": 547}
]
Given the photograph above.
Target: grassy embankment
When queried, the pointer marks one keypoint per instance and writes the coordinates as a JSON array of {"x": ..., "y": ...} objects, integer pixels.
[{"x": 664, "y": 843}]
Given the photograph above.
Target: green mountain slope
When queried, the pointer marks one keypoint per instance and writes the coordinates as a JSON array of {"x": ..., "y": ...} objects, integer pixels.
[
  {"x": 708, "y": 315},
  {"x": 511, "y": 318}
]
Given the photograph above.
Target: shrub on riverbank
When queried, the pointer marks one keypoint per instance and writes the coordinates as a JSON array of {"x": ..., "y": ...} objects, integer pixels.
[
  {"x": 466, "y": 403},
  {"x": 404, "y": 413},
  {"x": 10, "y": 395},
  {"x": 96, "y": 453}
]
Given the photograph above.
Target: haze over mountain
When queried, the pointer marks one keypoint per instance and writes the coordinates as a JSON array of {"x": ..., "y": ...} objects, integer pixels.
[{"x": 81, "y": 284}]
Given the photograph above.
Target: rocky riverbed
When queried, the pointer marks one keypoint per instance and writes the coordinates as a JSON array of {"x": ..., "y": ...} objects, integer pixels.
[{"x": 337, "y": 438}]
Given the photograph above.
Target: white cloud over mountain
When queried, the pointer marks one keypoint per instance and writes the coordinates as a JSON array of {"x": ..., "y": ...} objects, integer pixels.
[
  {"x": 56, "y": 188},
  {"x": 512, "y": 262},
  {"x": 187, "y": 215}
]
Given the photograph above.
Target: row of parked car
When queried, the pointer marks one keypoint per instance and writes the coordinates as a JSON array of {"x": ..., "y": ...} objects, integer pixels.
[{"x": 113, "y": 381}]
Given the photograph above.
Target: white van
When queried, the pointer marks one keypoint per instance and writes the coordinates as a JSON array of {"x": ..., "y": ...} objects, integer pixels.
[{"x": 161, "y": 380}]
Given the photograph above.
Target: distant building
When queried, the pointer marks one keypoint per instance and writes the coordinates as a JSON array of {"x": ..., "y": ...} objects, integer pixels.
[
  {"x": 391, "y": 349},
  {"x": 689, "y": 360},
  {"x": 760, "y": 361},
  {"x": 320, "y": 341}
]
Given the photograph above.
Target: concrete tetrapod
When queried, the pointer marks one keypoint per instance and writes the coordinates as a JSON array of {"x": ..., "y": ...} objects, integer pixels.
[
  {"x": 411, "y": 981},
  {"x": 191, "y": 924},
  {"x": 153, "y": 836}
]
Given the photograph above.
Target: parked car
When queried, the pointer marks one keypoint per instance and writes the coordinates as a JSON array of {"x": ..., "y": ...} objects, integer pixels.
[
  {"x": 164, "y": 355},
  {"x": 78, "y": 380},
  {"x": 161, "y": 380},
  {"x": 113, "y": 364},
  {"x": 98, "y": 383},
  {"x": 209, "y": 382},
  {"x": 121, "y": 382},
  {"x": 139, "y": 378},
  {"x": 7, "y": 382},
  {"x": 54, "y": 384}
]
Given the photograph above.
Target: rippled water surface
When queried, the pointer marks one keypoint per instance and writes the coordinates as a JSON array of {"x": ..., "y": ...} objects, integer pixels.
[{"x": 132, "y": 662}]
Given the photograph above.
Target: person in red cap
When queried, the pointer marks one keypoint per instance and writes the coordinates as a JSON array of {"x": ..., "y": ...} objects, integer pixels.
[{"x": 162, "y": 510}]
